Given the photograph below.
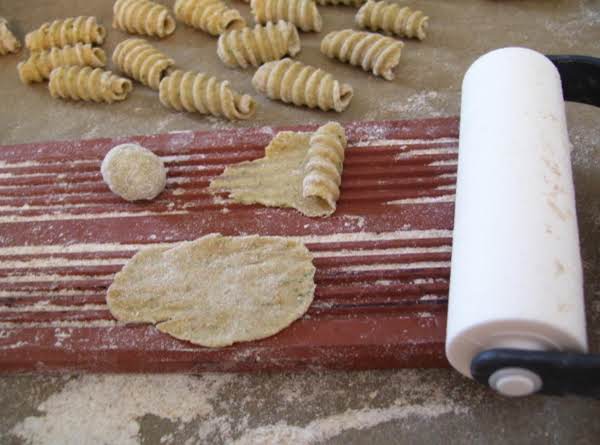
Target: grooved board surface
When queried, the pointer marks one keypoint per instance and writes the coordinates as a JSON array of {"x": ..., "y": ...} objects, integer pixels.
[{"x": 382, "y": 259}]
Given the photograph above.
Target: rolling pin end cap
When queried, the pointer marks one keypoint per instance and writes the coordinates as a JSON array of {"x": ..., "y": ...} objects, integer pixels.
[{"x": 515, "y": 382}]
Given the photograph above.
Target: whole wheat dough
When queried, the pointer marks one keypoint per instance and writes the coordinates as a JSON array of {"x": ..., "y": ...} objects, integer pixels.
[
  {"x": 134, "y": 172},
  {"x": 277, "y": 179},
  {"x": 216, "y": 290}
]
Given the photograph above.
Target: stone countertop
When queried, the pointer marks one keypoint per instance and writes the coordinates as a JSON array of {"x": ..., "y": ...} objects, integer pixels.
[{"x": 403, "y": 406}]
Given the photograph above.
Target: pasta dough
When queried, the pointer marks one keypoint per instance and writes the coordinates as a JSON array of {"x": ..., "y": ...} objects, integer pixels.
[
  {"x": 373, "y": 52},
  {"x": 211, "y": 16},
  {"x": 143, "y": 17},
  {"x": 355, "y": 3},
  {"x": 392, "y": 18},
  {"x": 40, "y": 63},
  {"x": 278, "y": 179},
  {"x": 253, "y": 47},
  {"x": 8, "y": 42},
  {"x": 89, "y": 84},
  {"x": 294, "y": 82},
  {"x": 302, "y": 13},
  {"x": 200, "y": 92},
  {"x": 140, "y": 60},
  {"x": 216, "y": 290},
  {"x": 133, "y": 172},
  {"x": 324, "y": 164},
  {"x": 66, "y": 32}
]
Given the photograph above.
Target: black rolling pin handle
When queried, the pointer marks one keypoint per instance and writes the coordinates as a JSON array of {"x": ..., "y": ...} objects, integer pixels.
[
  {"x": 561, "y": 373},
  {"x": 580, "y": 77}
]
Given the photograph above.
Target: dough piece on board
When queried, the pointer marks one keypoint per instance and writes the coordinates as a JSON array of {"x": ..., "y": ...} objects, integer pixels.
[
  {"x": 211, "y": 16},
  {"x": 134, "y": 172},
  {"x": 277, "y": 180},
  {"x": 8, "y": 42},
  {"x": 294, "y": 82},
  {"x": 302, "y": 13},
  {"x": 139, "y": 59},
  {"x": 87, "y": 83},
  {"x": 40, "y": 63},
  {"x": 67, "y": 31},
  {"x": 143, "y": 17},
  {"x": 371, "y": 51},
  {"x": 255, "y": 46},
  {"x": 216, "y": 290},
  {"x": 392, "y": 18}
]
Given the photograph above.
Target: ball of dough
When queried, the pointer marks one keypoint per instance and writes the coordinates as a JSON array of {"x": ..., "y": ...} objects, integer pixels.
[{"x": 134, "y": 172}]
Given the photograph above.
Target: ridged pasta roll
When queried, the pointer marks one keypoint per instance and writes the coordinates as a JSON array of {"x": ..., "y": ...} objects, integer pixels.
[
  {"x": 141, "y": 61},
  {"x": 89, "y": 84},
  {"x": 211, "y": 16},
  {"x": 199, "y": 92},
  {"x": 393, "y": 19},
  {"x": 66, "y": 32},
  {"x": 253, "y": 47},
  {"x": 324, "y": 164},
  {"x": 8, "y": 42},
  {"x": 143, "y": 17},
  {"x": 302, "y": 13},
  {"x": 373, "y": 52},
  {"x": 299, "y": 84},
  {"x": 40, "y": 63},
  {"x": 354, "y": 3}
]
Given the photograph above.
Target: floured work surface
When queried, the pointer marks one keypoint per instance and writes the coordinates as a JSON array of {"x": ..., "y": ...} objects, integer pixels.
[{"x": 382, "y": 259}]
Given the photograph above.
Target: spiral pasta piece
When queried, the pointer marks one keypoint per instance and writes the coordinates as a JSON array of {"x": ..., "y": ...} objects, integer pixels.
[
  {"x": 143, "y": 17},
  {"x": 141, "y": 61},
  {"x": 324, "y": 164},
  {"x": 299, "y": 84},
  {"x": 393, "y": 19},
  {"x": 253, "y": 47},
  {"x": 40, "y": 63},
  {"x": 302, "y": 13},
  {"x": 199, "y": 92},
  {"x": 211, "y": 16},
  {"x": 87, "y": 83},
  {"x": 373, "y": 52},
  {"x": 354, "y": 3},
  {"x": 66, "y": 32},
  {"x": 8, "y": 42}
]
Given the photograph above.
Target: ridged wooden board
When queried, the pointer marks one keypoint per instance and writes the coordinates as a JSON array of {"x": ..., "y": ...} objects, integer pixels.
[{"x": 382, "y": 259}]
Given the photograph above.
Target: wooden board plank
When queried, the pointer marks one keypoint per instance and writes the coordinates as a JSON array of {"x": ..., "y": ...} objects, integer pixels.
[{"x": 382, "y": 259}]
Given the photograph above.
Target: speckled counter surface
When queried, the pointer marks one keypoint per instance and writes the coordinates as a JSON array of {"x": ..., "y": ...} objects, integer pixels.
[{"x": 405, "y": 406}]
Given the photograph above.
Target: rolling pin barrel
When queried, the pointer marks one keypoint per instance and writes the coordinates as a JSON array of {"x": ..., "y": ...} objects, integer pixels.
[{"x": 516, "y": 277}]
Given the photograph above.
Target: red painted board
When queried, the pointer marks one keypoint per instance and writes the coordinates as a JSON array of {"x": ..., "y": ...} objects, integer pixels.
[{"x": 383, "y": 259}]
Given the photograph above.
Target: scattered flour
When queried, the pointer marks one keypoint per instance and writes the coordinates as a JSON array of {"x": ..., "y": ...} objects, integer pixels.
[{"x": 104, "y": 409}]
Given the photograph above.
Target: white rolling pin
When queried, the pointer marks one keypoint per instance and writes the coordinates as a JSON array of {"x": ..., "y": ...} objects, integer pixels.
[{"x": 516, "y": 279}]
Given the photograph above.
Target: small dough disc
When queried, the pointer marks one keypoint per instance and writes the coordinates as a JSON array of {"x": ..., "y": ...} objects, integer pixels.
[
  {"x": 134, "y": 172},
  {"x": 216, "y": 290}
]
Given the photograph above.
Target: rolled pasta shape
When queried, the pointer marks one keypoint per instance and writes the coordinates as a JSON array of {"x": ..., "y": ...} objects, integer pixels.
[
  {"x": 253, "y": 47},
  {"x": 324, "y": 164},
  {"x": 143, "y": 17},
  {"x": 64, "y": 32},
  {"x": 88, "y": 84},
  {"x": 40, "y": 63},
  {"x": 392, "y": 18},
  {"x": 302, "y": 13},
  {"x": 353, "y": 3},
  {"x": 300, "y": 84},
  {"x": 211, "y": 16},
  {"x": 373, "y": 52},
  {"x": 199, "y": 92},
  {"x": 8, "y": 42},
  {"x": 140, "y": 60}
]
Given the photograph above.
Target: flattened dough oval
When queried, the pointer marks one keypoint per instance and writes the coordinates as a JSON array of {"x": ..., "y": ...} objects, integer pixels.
[{"x": 216, "y": 290}]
